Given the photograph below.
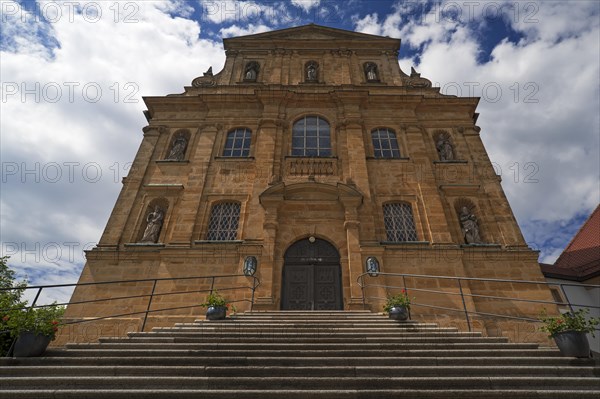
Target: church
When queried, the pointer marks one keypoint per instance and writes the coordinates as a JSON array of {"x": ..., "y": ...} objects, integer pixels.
[{"x": 312, "y": 164}]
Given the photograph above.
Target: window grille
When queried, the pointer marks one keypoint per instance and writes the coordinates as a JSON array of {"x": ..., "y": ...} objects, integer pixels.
[
  {"x": 385, "y": 144},
  {"x": 311, "y": 137},
  {"x": 224, "y": 220},
  {"x": 238, "y": 143},
  {"x": 399, "y": 222}
]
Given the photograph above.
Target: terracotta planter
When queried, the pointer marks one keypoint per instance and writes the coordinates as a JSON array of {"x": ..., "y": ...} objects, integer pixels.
[
  {"x": 216, "y": 312},
  {"x": 30, "y": 344},
  {"x": 572, "y": 343},
  {"x": 398, "y": 313}
]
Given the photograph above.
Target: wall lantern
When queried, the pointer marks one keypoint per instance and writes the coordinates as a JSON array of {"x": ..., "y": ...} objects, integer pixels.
[
  {"x": 372, "y": 265},
  {"x": 250, "y": 264}
]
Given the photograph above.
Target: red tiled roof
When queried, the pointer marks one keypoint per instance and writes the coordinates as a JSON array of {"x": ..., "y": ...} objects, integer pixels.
[{"x": 581, "y": 258}]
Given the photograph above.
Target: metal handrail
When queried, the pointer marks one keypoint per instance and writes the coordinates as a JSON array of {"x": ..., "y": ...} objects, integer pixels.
[
  {"x": 363, "y": 286},
  {"x": 40, "y": 288}
]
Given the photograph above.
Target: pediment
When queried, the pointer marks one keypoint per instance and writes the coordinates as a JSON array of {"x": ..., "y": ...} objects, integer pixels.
[{"x": 308, "y": 32}]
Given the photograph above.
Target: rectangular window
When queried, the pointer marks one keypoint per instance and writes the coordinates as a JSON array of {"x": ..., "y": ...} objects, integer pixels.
[
  {"x": 311, "y": 137},
  {"x": 224, "y": 221},
  {"x": 385, "y": 144},
  {"x": 238, "y": 143},
  {"x": 399, "y": 222}
]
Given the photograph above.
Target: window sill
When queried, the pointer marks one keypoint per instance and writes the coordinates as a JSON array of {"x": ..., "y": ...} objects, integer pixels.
[
  {"x": 218, "y": 242},
  {"x": 309, "y": 156},
  {"x": 172, "y": 162},
  {"x": 404, "y": 242},
  {"x": 450, "y": 162},
  {"x": 144, "y": 245},
  {"x": 232, "y": 159},
  {"x": 388, "y": 159}
]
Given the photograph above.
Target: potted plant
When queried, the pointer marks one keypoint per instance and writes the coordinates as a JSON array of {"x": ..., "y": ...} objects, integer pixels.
[
  {"x": 569, "y": 331},
  {"x": 398, "y": 306},
  {"x": 217, "y": 306},
  {"x": 33, "y": 328}
]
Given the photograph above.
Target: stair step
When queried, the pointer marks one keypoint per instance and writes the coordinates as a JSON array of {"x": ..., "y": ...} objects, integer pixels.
[
  {"x": 190, "y": 339},
  {"x": 307, "y": 383},
  {"x": 497, "y": 352},
  {"x": 306, "y": 371},
  {"x": 299, "y": 394},
  {"x": 54, "y": 359},
  {"x": 301, "y": 355},
  {"x": 408, "y": 343}
]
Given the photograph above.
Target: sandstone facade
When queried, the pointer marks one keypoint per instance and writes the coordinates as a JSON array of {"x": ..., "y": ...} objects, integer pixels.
[{"x": 335, "y": 194}]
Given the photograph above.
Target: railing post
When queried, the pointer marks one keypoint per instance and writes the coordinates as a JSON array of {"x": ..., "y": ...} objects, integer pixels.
[
  {"x": 362, "y": 290},
  {"x": 253, "y": 290},
  {"x": 36, "y": 297},
  {"x": 212, "y": 284},
  {"x": 149, "y": 304},
  {"x": 566, "y": 297},
  {"x": 464, "y": 305},
  {"x": 406, "y": 292}
]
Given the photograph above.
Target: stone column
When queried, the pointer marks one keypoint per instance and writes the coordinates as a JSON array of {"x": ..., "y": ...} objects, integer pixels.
[
  {"x": 264, "y": 299},
  {"x": 352, "y": 226}
]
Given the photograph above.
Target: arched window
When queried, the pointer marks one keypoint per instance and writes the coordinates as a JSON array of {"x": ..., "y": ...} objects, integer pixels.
[
  {"x": 238, "y": 143},
  {"x": 224, "y": 221},
  {"x": 385, "y": 144},
  {"x": 311, "y": 137},
  {"x": 399, "y": 222}
]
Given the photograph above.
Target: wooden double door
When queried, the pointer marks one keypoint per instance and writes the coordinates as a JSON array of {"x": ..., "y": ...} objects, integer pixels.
[{"x": 312, "y": 277}]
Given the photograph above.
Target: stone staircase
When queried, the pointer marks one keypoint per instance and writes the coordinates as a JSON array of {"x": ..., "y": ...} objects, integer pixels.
[{"x": 302, "y": 355}]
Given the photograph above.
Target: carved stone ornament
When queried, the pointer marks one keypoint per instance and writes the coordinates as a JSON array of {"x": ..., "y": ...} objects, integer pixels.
[
  {"x": 415, "y": 80},
  {"x": 311, "y": 71},
  {"x": 371, "y": 72},
  {"x": 154, "y": 224},
  {"x": 444, "y": 147},
  {"x": 251, "y": 71},
  {"x": 469, "y": 224},
  {"x": 208, "y": 80},
  {"x": 177, "y": 152}
]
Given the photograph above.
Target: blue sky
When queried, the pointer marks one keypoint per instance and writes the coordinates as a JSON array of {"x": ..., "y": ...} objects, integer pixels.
[{"x": 73, "y": 74}]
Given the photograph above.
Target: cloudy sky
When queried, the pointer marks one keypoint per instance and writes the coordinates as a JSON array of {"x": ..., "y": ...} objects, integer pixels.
[{"x": 73, "y": 73}]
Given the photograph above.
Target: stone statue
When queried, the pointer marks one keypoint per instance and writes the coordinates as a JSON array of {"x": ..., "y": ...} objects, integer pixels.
[
  {"x": 444, "y": 148},
  {"x": 311, "y": 72},
  {"x": 371, "y": 70},
  {"x": 251, "y": 71},
  {"x": 155, "y": 221},
  {"x": 470, "y": 226},
  {"x": 178, "y": 150}
]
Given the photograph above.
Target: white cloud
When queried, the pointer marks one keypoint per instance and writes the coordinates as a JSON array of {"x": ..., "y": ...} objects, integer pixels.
[
  {"x": 63, "y": 156},
  {"x": 306, "y": 5},
  {"x": 251, "y": 29},
  {"x": 222, "y": 11}
]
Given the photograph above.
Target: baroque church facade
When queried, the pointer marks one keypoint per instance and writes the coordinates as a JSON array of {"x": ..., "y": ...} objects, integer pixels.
[{"x": 314, "y": 158}]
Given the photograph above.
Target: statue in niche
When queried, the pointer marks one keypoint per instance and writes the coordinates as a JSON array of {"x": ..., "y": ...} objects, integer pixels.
[
  {"x": 371, "y": 72},
  {"x": 178, "y": 150},
  {"x": 311, "y": 72},
  {"x": 154, "y": 222},
  {"x": 444, "y": 147},
  {"x": 251, "y": 71},
  {"x": 470, "y": 226}
]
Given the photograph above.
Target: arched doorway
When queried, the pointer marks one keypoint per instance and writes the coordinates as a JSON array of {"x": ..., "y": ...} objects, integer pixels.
[{"x": 311, "y": 276}]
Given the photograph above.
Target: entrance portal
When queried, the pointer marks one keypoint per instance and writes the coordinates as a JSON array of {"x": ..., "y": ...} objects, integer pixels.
[{"x": 311, "y": 277}]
